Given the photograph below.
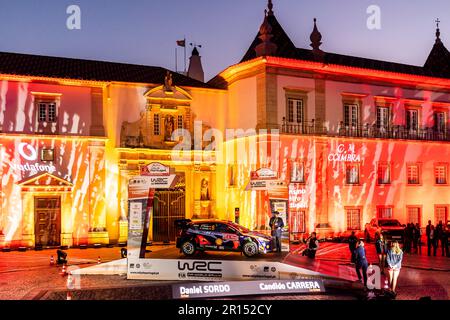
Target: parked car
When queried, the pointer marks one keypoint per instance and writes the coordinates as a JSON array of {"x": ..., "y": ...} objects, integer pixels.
[
  {"x": 217, "y": 235},
  {"x": 391, "y": 229}
]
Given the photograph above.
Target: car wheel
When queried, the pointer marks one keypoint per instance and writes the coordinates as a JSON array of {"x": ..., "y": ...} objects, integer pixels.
[
  {"x": 250, "y": 249},
  {"x": 188, "y": 248}
]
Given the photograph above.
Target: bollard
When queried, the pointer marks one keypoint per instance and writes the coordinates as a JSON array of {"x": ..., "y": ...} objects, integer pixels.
[{"x": 69, "y": 295}]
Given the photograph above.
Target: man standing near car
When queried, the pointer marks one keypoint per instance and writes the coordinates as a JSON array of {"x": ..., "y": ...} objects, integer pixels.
[
  {"x": 276, "y": 225},
  {"x": 352, "y": 242}
]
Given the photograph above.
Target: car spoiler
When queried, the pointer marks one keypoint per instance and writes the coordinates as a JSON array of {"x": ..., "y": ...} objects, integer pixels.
[{"x": 182, "y": 223}]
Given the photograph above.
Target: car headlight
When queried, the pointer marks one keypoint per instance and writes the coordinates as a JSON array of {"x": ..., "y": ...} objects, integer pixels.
[{"x": 262, "y": 240}]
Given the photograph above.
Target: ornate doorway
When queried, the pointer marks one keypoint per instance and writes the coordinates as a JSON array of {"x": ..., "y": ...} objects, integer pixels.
[
  {"x": 168, "y": 207},
  {"x": 47, "y": 213}
]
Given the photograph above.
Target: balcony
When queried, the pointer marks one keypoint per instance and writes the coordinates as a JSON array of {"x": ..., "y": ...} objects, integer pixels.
[{"x": 367, "y": 131}]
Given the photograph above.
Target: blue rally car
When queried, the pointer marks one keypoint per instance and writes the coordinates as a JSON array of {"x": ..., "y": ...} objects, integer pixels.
[{"x": 217, "y": 235}]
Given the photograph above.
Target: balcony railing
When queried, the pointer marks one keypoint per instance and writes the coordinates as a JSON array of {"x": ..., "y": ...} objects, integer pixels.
[
  {"x": 305, "y": 128},
  {"x": 367, "y": 131}
]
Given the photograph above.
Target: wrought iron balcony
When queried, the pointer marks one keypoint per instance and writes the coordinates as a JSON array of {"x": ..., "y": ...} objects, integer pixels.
[
  {"x": 367, "y": 131},
  {"x": 304, "y": 128}
]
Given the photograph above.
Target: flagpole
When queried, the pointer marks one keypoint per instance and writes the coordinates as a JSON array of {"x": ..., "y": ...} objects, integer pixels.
[
  {"x": 176, "y": 60},
  {"x": 185, "y": 56}
]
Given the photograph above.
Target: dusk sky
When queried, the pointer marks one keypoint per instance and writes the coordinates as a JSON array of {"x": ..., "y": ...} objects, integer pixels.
[{"x": 145, "y": 31}]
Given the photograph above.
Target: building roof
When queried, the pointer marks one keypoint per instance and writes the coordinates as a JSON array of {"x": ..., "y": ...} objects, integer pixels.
[
  {"x": 438, "y": 63},
  {"x": 439, "y": 57},
  {"x": 89, "y": 70}
]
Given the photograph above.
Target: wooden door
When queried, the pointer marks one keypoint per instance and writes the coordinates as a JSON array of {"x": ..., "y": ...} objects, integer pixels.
[{"x": 47, "y": 221}]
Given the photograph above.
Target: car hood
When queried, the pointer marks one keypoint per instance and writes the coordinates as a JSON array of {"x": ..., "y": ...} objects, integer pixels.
[{"x": 257, "y": 234}]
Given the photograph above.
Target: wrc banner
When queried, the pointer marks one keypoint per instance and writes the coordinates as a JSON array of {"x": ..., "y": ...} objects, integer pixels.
[{"x": 212, "y": 270}]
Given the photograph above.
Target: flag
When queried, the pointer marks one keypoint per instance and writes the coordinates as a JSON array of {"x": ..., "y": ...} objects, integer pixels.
[{"x": 181, "y": 43}]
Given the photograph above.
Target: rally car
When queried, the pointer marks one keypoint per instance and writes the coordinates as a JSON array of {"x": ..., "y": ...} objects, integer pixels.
[{"x": 217, "y": 235}]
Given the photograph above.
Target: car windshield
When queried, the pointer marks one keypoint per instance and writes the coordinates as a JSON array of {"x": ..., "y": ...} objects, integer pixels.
[
  {"x": 240, "y": 228},
  {"x": 389, "y": 223}
]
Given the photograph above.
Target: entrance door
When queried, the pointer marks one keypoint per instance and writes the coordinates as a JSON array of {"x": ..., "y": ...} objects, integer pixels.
[
  {"x": 47, "y": 213},
  {"x": 168, "y": 206}
]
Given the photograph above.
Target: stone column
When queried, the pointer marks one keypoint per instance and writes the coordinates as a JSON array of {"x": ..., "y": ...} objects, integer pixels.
[
  {"x": 266, "y": 101},
  {"x": 97, "y": 128}
]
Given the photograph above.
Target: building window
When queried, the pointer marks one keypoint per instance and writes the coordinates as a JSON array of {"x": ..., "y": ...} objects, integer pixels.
[
  {"x": 439, "y": 122},
  {"x": 180, "y": 122},
  {"x": 156, "y": 126},
  {"x": 352, "y": 173},
  {"x": 353, "y": 219},
  {"x": 440, "y": 172},
  {"x": 47, "y": 155},
  {"x": 47, "y": 112},
  {"x": 441, "y": 214},
  {"x": 384, "y": 173},
  {"x": 298, "y": 172},
  {"x": 351, "y": 115},
  {"x": 295, "y": 112},
  {"x": 232, "y": 178},
  {"x": 384, "y": 213},
  {"x": 383, "y": 118},
  {"x": 412, "y": 119},
  {"x": 413, "y": 174},
  {"x": 413, "y": 215}
]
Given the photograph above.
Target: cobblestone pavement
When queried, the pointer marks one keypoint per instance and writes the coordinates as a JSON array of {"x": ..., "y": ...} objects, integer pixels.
[{"x": 28, "y": 275}]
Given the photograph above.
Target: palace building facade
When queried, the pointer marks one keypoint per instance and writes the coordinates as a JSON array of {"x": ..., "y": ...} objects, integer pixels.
[{"x": 347, "y": 139}]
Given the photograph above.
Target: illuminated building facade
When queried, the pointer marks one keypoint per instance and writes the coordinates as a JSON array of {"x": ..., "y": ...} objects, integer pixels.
[
  {"x": 354, "y": 139},
  {"x": 358, "y": 138}
]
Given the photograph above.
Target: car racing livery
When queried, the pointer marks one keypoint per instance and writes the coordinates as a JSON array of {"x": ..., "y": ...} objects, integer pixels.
[{"x": 217, "y": 235}]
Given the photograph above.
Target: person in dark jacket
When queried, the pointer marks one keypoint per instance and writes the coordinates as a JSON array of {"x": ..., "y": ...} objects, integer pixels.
[
  {"x": 440, "y": 235},
  {"x": 434, "y": 240},
  {"x": 428, "y": 233},
  {"x": 394, "y": 260},
  {"x": 380, "y": 247},
  {"x": 312, "y": 245},
  {"x": 352, "y": 242},
  {"x": 418, "y": 239},
  {"x": 361, "y": 262},
  {"x": 276, "y": 225}
]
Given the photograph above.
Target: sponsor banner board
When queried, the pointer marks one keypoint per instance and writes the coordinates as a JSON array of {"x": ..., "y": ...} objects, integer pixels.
[
  {"x": 264, "y": 174},
  {"x": 211, "y": 270},
  {"x": 155, "y": 169},
  {"x": 240, "y": 288}
]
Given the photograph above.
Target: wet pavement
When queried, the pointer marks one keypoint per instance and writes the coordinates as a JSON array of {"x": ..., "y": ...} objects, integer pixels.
[{"x": 29, "y": 275}]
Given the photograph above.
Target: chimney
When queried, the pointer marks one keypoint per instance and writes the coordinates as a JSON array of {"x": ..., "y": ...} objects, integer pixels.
[{"x": 195, "y": 70}]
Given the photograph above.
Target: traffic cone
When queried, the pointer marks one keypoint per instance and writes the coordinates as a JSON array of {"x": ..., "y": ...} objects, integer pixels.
[
  {"x": 99, "y": 260},
  {"x": 52, "y": 261},
  {"x": 386, "y": 284},
  {"x": 69, "y": 295},
  {"x": 69, "y": 281},
  {"x": 63, "y": 270}
]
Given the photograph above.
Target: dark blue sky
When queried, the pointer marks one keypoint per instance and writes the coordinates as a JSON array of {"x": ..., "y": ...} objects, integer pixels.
[{"x": 145, "y": 31}]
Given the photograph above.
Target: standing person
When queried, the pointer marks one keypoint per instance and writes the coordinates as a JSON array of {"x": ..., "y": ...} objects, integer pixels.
[
  {"x": 418, "y": 239},
  {"x": 433, "y": 240},
  {"x": 440, "y": 234},
  {"x": 428, "y": 233},
  {"x": 446, "y": 235},
  {"x": 276, "y": 225},
  {"x": 394, "y": 260},
  {"x": 361, "y": 262},
  {"x": 312, "y": 245},
  {"x": 352, "y": 242},
  {"x": 380, "y": 246}
]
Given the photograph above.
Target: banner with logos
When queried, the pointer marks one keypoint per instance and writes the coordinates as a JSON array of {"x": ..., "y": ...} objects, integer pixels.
[{"x": 212, "y": 270}]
